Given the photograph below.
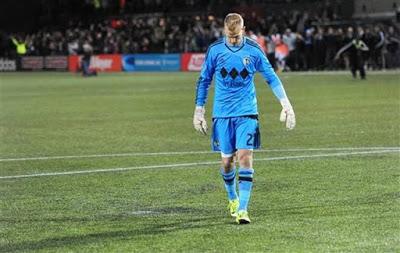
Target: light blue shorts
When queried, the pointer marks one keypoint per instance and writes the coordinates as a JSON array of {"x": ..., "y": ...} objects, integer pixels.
[{"x": 231, "y": 134}]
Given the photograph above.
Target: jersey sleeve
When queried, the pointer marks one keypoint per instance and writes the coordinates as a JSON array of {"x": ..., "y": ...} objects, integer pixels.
[
  {"x": 264, "y": 67},
  {"x": 204, "y": 81}
]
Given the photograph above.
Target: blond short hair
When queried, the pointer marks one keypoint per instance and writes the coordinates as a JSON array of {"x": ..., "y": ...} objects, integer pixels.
[{"x": 233, "y": 23}]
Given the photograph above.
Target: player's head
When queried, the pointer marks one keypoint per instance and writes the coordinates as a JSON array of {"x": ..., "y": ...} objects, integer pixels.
[{"x": 234, "y": 28}]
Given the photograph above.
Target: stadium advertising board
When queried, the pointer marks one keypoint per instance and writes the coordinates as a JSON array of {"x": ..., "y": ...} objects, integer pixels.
[
  {"x": 151, "y": 62},
  {"x": 56, "y": 62},
  {"x": 8, "y": 65},
  {"x": 32, "y": 63},
  {"x": 192, "y": 62},
  {"x": 103, "y": 62}
]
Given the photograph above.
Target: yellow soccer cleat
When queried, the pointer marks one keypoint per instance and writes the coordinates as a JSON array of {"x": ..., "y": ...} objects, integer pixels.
[
  {"x": 242, "y": 217},
  {"x": 233, "y": 207}
]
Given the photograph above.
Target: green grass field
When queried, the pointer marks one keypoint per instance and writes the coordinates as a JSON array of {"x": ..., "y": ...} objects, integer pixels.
[{"x": 330, "y": 185}]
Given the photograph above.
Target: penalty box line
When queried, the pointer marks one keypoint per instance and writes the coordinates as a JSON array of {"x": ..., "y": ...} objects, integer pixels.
[
  {"x": 181, "y": 165},
  {"x": 189, "y": 153}
]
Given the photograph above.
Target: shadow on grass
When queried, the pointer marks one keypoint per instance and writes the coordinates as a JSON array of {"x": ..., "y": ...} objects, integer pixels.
[
  {"x": 144, "y": 213},
  {"x": 156, "y": 225}
]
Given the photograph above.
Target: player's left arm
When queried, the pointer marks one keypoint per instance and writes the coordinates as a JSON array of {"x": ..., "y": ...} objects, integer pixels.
[
  {"x": 203, "y": 85},
  {"x": 14, "y": 41},
  {"x": 264, "y": 67}
]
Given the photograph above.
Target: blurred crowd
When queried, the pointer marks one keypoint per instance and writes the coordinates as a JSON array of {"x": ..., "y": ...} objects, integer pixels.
[{"x": 292, "y": 40}]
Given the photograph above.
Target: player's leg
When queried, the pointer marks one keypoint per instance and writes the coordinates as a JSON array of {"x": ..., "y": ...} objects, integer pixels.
[
  {"x": 353, "y": 66},
  {"x": 228, "y": 173},
  {"x": 361, "y": 68},
  {"x": 222, "y": 140},
  {"x": 247, "y": 139},
  {"x": 246, "y": 171}
]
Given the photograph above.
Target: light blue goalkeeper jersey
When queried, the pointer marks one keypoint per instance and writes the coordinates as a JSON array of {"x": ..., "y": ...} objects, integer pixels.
[{"x": 234, "y": 68}]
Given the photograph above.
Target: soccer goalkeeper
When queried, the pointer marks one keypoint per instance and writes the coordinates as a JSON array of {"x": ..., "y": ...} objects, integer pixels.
[{"x": 234, "y": 60}]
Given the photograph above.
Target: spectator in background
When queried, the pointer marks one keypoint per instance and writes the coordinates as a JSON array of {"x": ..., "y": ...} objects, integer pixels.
[
  {"x": 340, "y": 42},
  {"x": 319, "y": 49},
  {"x": 73, "y": 46},
  {"x": 331, "y": 48},
  {"x": 309, "y": 48},
  {"x": 252, "y": 35},
  {"x": 368, "y": 38},
  {"x": 86, "y": 60},
  {"x": 281, "y": 53},
  {"x": 392, "y": 47},
  {"x": 289, "y": 38},
  {"x": 98, "y": 43},
  {"x": 300, "y": 58},
  {"x": 261, "y": 41},
  {"x": 271, "y": 39},
  {"x": 377, "y": 49}
]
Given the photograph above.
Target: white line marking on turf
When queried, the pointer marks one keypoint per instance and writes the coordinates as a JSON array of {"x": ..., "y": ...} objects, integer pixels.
[
  {"x": 177, "y": 165},
  {"x": 143, "y": 212},
  {"x": 188, "y": 153}
]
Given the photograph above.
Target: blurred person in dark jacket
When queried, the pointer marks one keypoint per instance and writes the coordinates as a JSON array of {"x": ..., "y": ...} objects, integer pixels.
[
  {"x": 355, "y": 49},
  {"x": 369, "y": 40},
  {"x": 392, "y": 46},
  {"x": 331, "y": 48},
  {"x": 377, "y": 49},
  {"x": 309, "y": 48},
  {"x": 319, "y": 49},
  {"x": 300, "y": 58}
]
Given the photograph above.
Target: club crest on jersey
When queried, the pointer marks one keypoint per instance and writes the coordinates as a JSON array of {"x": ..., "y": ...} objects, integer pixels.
[{"x": 246, "y": 60}]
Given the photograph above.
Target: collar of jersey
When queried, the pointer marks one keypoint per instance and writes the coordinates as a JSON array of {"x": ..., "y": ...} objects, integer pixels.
[{"x": 235, "y": 48}]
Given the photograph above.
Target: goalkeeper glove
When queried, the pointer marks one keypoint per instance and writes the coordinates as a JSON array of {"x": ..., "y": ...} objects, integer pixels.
[
  {"x": 199, "y": 122},
  {"x": 287, "y": 114}
]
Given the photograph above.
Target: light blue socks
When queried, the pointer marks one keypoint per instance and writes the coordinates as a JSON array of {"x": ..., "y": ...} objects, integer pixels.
[
  {"x": 245, "y": 185},
  {"x": 230, "y": 183}
]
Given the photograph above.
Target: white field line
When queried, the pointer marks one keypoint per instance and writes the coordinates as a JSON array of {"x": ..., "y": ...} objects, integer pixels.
[
  {"x": 188, "y": 153},
  {"x": 188, "y": 165},
  {"x": 144, "y": 212}
]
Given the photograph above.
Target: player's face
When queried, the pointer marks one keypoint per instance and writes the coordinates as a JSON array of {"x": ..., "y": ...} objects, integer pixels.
[{"x": 234, "y": 37}]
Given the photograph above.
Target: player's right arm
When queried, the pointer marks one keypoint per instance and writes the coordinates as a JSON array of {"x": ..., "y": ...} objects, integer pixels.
[
  {"x": 203, "y": 85},
  {"x": 264, "y": 67}
]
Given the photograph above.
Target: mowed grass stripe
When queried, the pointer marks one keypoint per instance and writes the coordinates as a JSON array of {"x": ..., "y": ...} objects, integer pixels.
[
  {"x": 188, "y": 153},
  {"x": 192, "y": 165}
]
